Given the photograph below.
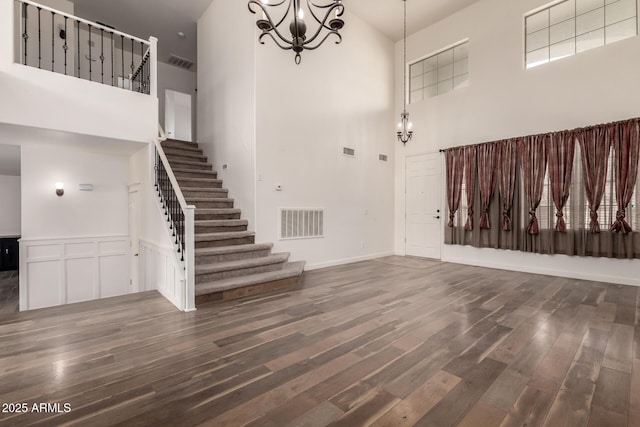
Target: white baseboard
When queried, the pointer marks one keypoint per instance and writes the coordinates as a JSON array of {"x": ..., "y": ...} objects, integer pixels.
[{"x": 334, "y": 263}]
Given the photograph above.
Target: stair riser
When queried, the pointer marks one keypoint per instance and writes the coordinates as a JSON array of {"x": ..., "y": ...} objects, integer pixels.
[
  {"x": 171, "y": 145},
  {"x": 200, "y": 166},
  {"x": 180, "y": 158},
  {"x": 188, "y": 184},
  {"x": 196, "y": 174},
  {"x": 210, "y": 277},
  {"x": 235, "y": 256},
  {"x": 205, "y": 229},
  {"x": 212, "y": 204},
  {"x": 226, "y": 242},
  {"x": 215, "y": 216},
  {"x": 213, "y": 194},
  {"x": 180, "y": 152}
]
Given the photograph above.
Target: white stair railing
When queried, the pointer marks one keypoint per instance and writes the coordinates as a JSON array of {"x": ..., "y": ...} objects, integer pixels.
[{"x": 180, "y": 218}]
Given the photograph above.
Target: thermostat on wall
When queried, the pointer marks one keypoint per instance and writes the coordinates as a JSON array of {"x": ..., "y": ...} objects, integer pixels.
[{"x": 86, "y": 187}]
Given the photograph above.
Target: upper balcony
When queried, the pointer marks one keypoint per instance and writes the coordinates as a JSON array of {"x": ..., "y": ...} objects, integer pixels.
[{"x": 64, "y": 73}]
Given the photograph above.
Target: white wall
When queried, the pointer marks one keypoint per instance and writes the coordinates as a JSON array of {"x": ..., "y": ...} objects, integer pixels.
[
  {"x": 226, "y": 98},
  {"x": 339, "y": 96},
  {"x": 42, "y": 99},
  {"x": 179, "y": 80},
  {"x": 505, "y": 100},
  {"x": 9, "y": 205},
  {"x": 101, "y": 212}
]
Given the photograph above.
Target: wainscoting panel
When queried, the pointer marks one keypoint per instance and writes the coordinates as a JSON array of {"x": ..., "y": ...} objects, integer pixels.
[
  {"x": 160, "y": 270},
  {"x": 64, "y": 271}
]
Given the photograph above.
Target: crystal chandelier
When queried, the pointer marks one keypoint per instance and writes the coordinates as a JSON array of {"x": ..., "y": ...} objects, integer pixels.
[
  {"x": 326, "y": 16},
  {"x": 404, "y": 127}
]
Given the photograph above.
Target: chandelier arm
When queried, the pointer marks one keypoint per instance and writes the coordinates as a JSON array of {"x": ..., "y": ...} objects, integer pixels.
[
  {"x": 332, "y": 7},
  {"x": 262, "y": 7},
  {"x": 337, "y": 34},
  {"x": 322, "y": 25},
  {"x": 284, "y": 47}
]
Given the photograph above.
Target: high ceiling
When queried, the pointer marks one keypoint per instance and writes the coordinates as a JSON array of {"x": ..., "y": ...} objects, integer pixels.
[
  {"x": 165, "y": 18},
  {"x": 386, "y": 15}
]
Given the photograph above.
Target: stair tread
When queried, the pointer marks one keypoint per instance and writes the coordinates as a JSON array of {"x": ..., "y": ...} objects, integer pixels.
[
  {"x": 202, "y": 237},
  {"x": 222, "y": 222},
  {"x": 221, "y": 250},
  {"x": 185, "y": 145},
  {"x": 208, "y": 199},
  {"x": 194, "y": 170},
  {"x": 217, "y": 211},
  {"x": 203, "y": 180},
  {"x": 290, "y": 269},
  {"x": 242, "y": 263},
  {"x": 190, "y": 162},
  {"x": 213, "y": 190}
]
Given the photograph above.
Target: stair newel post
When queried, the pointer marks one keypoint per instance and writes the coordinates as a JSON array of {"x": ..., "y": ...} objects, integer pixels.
[
  {"x": 153, "y": 63},
  {"x": 189, "y": 258}
]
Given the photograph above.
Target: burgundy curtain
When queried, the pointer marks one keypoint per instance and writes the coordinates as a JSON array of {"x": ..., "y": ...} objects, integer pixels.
[
  {"x": 454, "y": 158},
  {"x": 561, "y": 148},
  {"x": 625, "y": 148},
  {"x": 595, "y": 145},
  {"x": 533, "y": 158},
  {"x": 507, "y": 181},
  {"x": 470, "y": 182},
  {"x": 488, "y": 156}
]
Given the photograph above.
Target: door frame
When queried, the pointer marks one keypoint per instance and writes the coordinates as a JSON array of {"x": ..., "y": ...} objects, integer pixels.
[
  {"x": 134, "y": 240},
  {"x": 441, "y": 201}
]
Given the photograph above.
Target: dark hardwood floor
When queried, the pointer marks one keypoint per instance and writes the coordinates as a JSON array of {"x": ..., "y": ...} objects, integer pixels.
[
  {"x": 9, "y": 292},
  {"x": 391, "y": 342}
]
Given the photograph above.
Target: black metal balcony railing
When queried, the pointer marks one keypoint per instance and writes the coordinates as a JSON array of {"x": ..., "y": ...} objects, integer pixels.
[
  {"x": 99, "y": 54},
  {"x": 170, "y": 203}
]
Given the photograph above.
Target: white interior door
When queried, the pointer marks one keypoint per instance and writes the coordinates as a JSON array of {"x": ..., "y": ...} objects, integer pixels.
[
  {"x": 134, "y": 217},
  {"x": 177, "y": 115},
  {"x": 423, "y": 195}
]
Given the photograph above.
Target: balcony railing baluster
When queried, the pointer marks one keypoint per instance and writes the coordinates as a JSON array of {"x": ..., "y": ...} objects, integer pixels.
[
  {"x": 53, "y": 49},
  {"x": 25, "y": 34},
  {"x": 39, "y": 40},
  {"x": 139, "y": 78},
  {"x": 65, "y": 47}
]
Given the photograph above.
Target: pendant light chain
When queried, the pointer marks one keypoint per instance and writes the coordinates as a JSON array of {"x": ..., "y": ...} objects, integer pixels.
[
  {"x": 404, "y": 63},
  {"x": 404, "y": 127}
]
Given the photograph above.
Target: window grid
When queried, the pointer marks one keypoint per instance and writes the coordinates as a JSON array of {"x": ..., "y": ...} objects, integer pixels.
[
  {"x": 440, "y": 73},
  {"x": 575, "y": 26}
]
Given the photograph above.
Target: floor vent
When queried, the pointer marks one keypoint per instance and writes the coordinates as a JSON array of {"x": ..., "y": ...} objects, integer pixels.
[
  {"x": 348, "y": 151},
  {"x": 180, "y": 62},
  {"x": 301, "y": 223}
]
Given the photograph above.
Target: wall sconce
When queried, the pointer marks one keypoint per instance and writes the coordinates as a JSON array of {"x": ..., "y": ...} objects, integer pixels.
[{"x": 59, "y": 189}]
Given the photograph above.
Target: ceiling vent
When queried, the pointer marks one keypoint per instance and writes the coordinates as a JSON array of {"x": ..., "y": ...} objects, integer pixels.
[{"x": 180, "y": 62}]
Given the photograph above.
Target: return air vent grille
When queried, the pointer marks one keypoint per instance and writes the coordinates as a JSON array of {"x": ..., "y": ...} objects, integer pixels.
[
  {"x": 180, "y": 62},
  {"x": 383, "y": 157},
  {"x": 300, "y": 223},
  {"x": 348, "y": 151}
]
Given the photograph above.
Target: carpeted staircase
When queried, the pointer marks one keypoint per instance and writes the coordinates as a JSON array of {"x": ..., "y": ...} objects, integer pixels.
[{"x": 228, "y": 263}]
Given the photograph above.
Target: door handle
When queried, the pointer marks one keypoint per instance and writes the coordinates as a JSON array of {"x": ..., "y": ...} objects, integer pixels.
[{"x": 135, "y": 254}]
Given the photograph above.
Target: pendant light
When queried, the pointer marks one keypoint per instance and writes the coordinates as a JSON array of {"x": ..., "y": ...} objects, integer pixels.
[{"x": 404, "y": 127}]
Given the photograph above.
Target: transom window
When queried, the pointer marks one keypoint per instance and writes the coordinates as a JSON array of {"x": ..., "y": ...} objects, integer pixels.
[
  {"x": 440, "y": 73},
  {"x": 574, "y": 26}
]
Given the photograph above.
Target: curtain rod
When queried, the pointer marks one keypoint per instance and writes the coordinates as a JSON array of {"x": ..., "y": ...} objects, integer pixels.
[{"x": 637, "y": 119}]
